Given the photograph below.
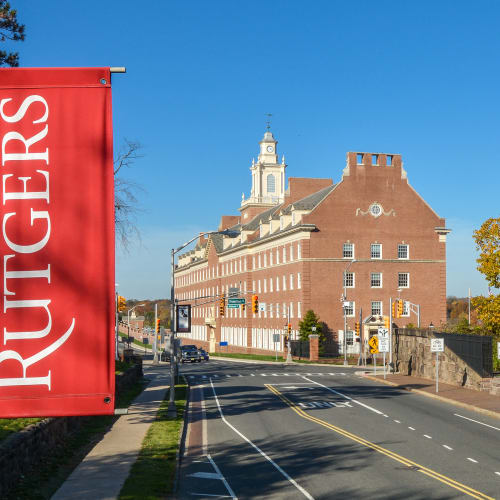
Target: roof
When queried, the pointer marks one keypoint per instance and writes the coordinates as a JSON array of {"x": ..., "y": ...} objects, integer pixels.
[{"x": 310, "y": 202}]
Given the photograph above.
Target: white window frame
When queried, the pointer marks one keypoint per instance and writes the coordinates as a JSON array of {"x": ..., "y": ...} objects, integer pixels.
[
  {"x": 299, "y": 281},
  {"x": 407, "y": 280},
  {"x": 291, "y": 281},
  {"x": 350, "y": 312},
  {"x": 379, "y": 245},
  {"x": 371, "y": 280},
  {"x": 348, "y": 251},
  {"x": 298, "y": 251},
  {"x": 353, "y": 276},
  {"x": 405, "y": 245},
  {"x": 381, "y": 312},
  {"x": 349, "y": 338}
]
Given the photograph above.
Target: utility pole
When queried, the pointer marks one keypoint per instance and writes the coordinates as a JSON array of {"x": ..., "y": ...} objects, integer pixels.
[{"x": 155, "y": 344}]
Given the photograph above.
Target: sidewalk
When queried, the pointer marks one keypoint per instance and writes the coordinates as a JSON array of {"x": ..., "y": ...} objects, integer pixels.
[
  {"x": 479, "y": 401},
  {"x": 102, "y": 473}
]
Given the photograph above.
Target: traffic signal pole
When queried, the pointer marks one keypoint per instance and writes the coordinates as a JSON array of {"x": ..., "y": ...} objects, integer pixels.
[{"x": 155, "y": 344}]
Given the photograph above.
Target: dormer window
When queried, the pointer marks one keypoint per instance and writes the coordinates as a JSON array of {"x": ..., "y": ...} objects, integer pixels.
[
  {"x": 293, "y": 218},
  {"x": 282, "y": 222}
]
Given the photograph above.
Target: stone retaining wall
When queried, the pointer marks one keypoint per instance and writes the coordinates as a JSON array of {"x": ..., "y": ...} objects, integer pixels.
[
  {"x": 412, "y": 356},
  {"x": 23, "y": 450}
]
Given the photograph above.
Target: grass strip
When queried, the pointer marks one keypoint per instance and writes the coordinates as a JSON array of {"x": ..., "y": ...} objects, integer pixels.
[
  {"x": 258, "y": 357},
  {"x": 136, "y": 342},
  {"x": 44, "y": 480},
  {"x": 152, "y": 475}
]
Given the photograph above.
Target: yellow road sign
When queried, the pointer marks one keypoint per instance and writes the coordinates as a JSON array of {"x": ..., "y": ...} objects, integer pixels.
[{"x": 373, "y": 343}]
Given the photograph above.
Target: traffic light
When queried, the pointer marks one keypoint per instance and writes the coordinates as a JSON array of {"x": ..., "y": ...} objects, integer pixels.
[
  {"x": 222, "y": 305},
  {"x": 387, "y": 322},
  {"x": 243, "y": 307},
  {"x": 157, "y": 329},
  {"x": 121, "y": 303},
  {"x": 289, "y": 328},
  {"x": 400, "y": 308},
  {"x": 394, "y": 308},
  {"x": 356, "y": 328},
  {"x": 255, "y": 304}
]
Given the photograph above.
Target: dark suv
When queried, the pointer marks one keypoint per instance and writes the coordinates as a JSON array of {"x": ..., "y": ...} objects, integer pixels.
[{"x": 190, "y": 353}]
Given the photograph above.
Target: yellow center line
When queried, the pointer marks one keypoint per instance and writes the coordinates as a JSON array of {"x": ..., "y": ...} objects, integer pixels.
[{"x": 409, "y": 463}]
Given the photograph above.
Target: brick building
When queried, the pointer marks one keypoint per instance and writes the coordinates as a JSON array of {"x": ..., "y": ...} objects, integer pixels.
[{"x": 298, "y": 245}]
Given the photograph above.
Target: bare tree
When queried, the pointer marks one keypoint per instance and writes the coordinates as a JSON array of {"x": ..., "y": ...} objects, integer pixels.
[
  {"x": 10, "y": 29},
  {"x": 126, "y": 202}
]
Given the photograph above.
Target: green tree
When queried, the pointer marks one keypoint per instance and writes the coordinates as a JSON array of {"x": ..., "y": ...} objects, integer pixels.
[
  {"x": 10, "y": 29},
  {"x": 306, "y": 326},
  {"x": 487, "y": 239}
]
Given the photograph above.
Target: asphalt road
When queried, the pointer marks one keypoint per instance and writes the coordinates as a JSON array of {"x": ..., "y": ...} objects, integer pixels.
[{"x": 277, "y": 431}]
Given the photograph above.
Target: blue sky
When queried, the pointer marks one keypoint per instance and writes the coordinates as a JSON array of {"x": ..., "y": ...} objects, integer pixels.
[{"x": 416, "y": 78}]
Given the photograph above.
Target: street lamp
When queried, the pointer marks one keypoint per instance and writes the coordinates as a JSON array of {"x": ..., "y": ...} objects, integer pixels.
[
  {"x": 172, "y": 410},
  {"x": 128, "y": 321},
  {"x": 344, "y": 305}
]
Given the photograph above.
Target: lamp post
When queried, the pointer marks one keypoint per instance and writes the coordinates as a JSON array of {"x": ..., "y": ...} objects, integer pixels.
[
  {"x": 344, "y": 308},
  {"x": 172, "y": 410},
  {"x": 128, "y": 321}
]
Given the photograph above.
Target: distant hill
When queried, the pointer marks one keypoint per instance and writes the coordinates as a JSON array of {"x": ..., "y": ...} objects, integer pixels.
[{"x": 458, "y": 308}]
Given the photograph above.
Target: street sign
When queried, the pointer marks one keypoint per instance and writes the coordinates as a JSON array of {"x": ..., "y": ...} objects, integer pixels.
[
  {"x": 276, "y": 337},
  {"x": 222, "y": 343},
  {"x": 437, "y": 345},
  {"x": 373, "y": 343},
  {"x": 233, "y": 306},
  {"x": 145, "y": 340},
  {"x": 236, "y": 301},
  {"x": 383, "y": 332},
  {"x": 262, "y": 306},
  {"x": 383, "y": 344},
  {"x": 233, "y": 292}
]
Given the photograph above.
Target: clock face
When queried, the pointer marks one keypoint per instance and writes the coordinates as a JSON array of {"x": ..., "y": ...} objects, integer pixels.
[{"x": 270, "y": 149}]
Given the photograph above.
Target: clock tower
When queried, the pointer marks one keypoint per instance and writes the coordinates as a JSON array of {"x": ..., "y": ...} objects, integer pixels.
[{"x": 268, "y": 177}]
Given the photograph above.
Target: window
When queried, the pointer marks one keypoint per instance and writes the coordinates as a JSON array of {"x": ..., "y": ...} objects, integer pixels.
[
  {"x": 376, "y": 307},
  {"x": 265, "y": 260},
  {"x": 291, "y": 309},
  {"x": 376, "y": 251},
  {"x": 349, "y": 308},
  {"x": 299, "y": 312},
  {"x": 284, "y": 282},
  {"x": 298, "y": 251},
  {"x": 403, "y": 280},
  {"x": 271, "y": 307},
  {"x": 349, "y": 338},
  {"x": 271, "y": 184},
  {"x": 298, "y": 281},
  {"x": 403, "y": 251},
  {"x": 253, "y": 262},
  {"x": 376, "y": 280},
  {"x": 284, "y": 255},
  {"x": 348, "y": 251},
  {"x": 406, "y": 308},
  {"x": 349, "y": 280},
  {"x": 270, "y": 284},
  {"x": 277, "y": 283},
  {"x": 277, "y": 256},
  {"x": 291, "y": 281}
]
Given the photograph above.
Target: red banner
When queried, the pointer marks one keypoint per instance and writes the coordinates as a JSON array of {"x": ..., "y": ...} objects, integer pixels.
[{"x": 57, "y": 242}]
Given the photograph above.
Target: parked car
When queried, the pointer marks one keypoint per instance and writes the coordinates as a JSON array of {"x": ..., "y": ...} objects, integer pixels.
[
  {"x": 190, "y": 353},
  {"x": 204, "y": 354}
]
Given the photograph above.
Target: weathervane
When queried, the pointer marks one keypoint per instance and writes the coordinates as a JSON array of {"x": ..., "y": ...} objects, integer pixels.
[{"x": 268, "y": 121}]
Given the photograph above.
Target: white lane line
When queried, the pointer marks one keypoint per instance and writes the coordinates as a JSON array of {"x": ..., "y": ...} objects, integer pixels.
[
  {"x": 397, "y": 421},
  {"x": 252, "y": 374},
  {"x": 386, "y": 416},
  {"x": 263, "y": 375},
  {"x": 214, "y": 465},
  {"x": 275, "y": 375},
  {"x": 428, "y": 437},
  {"x": 497, "y": 473},
  {"x": 411, "y": 428},
  {"x": 215, "y": 376},
  {"x": 206, "y": 475},
  {"x": 302, "y": 490},
  {"x": 472, "y": 460},
  {"x": 227, "y": 375},
  {"x": 208, "y": 495},
  {"x": 447, "y": 447},
  {"x": 344, "y": 396},
  {"x": 476, "y": 421},
  {"x": 286, "y": 374},
  {"x": 295, "y": 383}
]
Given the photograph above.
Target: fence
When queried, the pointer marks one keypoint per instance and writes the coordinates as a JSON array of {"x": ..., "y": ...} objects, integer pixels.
[{"x": 300, "y": 348}]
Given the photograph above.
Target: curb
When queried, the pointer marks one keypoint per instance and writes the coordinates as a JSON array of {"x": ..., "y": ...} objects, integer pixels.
[{"x": 454, "y": 402}]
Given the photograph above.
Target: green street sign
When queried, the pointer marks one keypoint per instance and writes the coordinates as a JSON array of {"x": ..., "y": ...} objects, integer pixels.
[
  {"x": 233, "y": 306},
  {"x": 235, "y": 301}
]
